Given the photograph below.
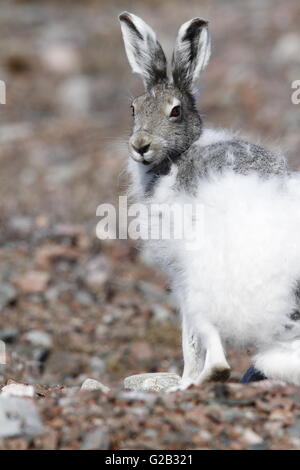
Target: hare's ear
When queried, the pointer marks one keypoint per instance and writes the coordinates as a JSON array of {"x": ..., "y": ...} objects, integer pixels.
[
  {"x": 145, "y": 54},
  {"x": 191, "y": 52}
]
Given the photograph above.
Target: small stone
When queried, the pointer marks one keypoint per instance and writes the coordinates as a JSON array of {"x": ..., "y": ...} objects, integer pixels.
[
  {"x": 74, "y": 95},
  {"x": 146, "y": 397},
  {"x": 250, "y": 437},
  {"x": 98, "y": 272},
  {"x": 48, "y": 254},
  {"x": 83, "y": 297},
  {"x": 279, "y": 415},
  {"x": 39, "y": 338},
  {"x": 97, "y": 364},
  {"x": 92, "y": 384},
  {"x": 33, "y": 282},
  {"x": 18, "y": 417},
  {"x": 287, "y": 48},
  {"x": 18, "y": 390},
  {"x": 141, "y": 351},
  {"x": 16, "y": 131},
  {"x": 7, "y": 294},
  {"x": 96, "y": 440},
  {"x": 294, "y": 430},
  {"x": 161, "y": 313},
  {"x": 9, "y": 335},
  {"x": 62, "y": 365},
  {"x": 154, "y": 382},
  {"x": 60, "y": 58},
  {"x": 21, "y": 225}
]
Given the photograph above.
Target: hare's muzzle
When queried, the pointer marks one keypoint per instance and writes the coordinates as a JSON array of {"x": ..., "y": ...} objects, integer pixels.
[{"x": 140, "y": 146}]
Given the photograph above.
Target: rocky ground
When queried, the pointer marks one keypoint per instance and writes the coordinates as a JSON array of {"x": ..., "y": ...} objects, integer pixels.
[{"x": 74, "y": 308}]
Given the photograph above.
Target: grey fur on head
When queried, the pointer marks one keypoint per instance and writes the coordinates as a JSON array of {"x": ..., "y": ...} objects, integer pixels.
[
  {"x": 167, "y": 125},
  {"x": 166, "y": 120}
]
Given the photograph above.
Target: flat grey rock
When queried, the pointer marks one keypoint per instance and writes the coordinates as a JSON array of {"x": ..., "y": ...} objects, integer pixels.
[
  {"x": 18, "y": 417},
  {"x": 155, "y": 382}
]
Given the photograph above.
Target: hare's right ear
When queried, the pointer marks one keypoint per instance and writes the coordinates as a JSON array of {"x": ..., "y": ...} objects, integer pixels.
[
  {"x": 144, "y": 52},
  {"x": 191, "y": 53}
]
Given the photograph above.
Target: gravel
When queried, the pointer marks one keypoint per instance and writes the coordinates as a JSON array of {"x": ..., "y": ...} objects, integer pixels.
[{"x": 75, "y": 309}]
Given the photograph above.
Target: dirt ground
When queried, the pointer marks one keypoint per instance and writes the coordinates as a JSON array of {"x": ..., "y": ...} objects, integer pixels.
[{"x": 74, "y": 307}]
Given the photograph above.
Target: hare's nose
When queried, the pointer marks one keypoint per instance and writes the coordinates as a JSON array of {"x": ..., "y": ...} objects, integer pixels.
[{"x": 141, "y": 150}]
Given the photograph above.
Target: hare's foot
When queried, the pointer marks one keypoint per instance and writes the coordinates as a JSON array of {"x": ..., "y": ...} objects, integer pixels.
[
  {"x": 217, "y": 373},
  {"x": 216, "y": 367}
]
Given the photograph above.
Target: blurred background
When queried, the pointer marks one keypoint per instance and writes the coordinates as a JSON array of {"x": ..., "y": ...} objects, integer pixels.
[{"x": 72, "y": 306}]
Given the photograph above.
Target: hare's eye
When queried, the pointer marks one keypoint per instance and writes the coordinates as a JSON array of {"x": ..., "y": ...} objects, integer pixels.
[
  {"x": 132, "y": 110},
  {"x": 176, "y": 111}
]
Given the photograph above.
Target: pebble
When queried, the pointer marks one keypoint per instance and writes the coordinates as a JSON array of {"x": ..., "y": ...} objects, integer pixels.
[
  {"x": 287, "y": 48},
  {"x": 149, "y": 398},
  {"x": 7, "y": 294},
  {"x": 96, "y": 440},
  {"x": 9, "y": 335},
  {"x": 161, "y": 313},
  {"x": 18, "y": 390},
  {"x": 33, "y": 282},
  {"x": 92, "y": 384},
  {"x": 97, "y": 364},
  {"x": 18, "y": 418},
  {"x": 21, "y": 225},
  {"x": 39, "y": 338},
  {"x": 60, "y": 58},
  {"x": 74, "y": 95},
  {"x": 250, "y": 437},
  {"x": 153, "y": 382},
  {"x": 16, "y": 131},
  {"x": 98, "y": 272}
]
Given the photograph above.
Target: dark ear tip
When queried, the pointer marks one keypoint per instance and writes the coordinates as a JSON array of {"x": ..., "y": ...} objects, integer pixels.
[
  {"x": 199, "y": 22},
  {"x": 124, "y": 16}
]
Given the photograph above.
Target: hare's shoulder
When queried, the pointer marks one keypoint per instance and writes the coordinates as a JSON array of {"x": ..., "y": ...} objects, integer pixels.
[{"x": 216, "y": 151}]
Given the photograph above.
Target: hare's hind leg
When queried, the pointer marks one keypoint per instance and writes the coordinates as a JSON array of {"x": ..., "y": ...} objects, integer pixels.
[
  {"x": 203, "y": 355},
  {"x": 216, "y": 366}
]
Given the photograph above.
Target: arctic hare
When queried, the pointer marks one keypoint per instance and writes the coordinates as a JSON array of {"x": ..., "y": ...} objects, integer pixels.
[{"x": 240, "y": 285}]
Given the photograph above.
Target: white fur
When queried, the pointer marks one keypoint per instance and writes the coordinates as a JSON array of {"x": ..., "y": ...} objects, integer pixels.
[
  {"x": 281, "y": 362},
  {"x": 237, "y": 286},
  {"x": 182, "y": 50},
  {"x": 213, "y": 136},
  {"x": 142, "y": 65}
]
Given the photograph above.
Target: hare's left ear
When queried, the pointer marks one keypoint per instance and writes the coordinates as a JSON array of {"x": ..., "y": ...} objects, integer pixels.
[
  {"x": 145, "y": 54},
  {"x": 191, "y": 53}
]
